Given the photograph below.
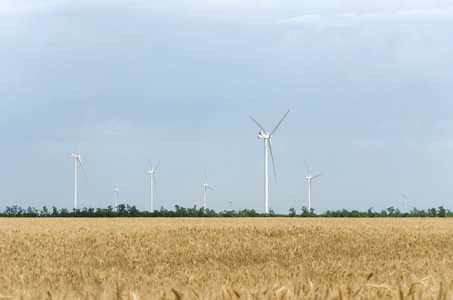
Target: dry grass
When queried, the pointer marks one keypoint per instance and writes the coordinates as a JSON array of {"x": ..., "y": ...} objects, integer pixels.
[{"x": 226, "y": 258}]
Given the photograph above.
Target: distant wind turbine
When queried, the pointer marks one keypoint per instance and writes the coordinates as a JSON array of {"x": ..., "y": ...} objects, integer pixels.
[
  {"x": 152, "y": 174},
  {"x": 76, "y": 159},
  {"x": 405, "y": 201},
  {"x": 116, "y": 191},
  {"x": 309, "y": 178},
  {"x": 267, "y": 143},
  {"x": 296, "y": 200},
  {"x": 231, "y": 203},
  {"x": 205, "y": 186}
]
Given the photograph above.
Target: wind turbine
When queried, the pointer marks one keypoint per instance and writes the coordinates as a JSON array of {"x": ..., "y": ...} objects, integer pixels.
[
  {"x": 231, "y": 203},
  {"x": 267, "y": 143},
  {"x": 152, "y": 172},
  {"x": 405, "y": 201},
  {"x": 309, "y": 178},
  {"x": 296, "y": 200},
  {"x": 116, "y": 191},
  {"x": 205, "y": 186},
  {"x": 76, "y": 159}
]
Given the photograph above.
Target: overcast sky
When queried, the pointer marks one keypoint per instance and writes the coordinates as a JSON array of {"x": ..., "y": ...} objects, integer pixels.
[{"x": 369, "y": 85}]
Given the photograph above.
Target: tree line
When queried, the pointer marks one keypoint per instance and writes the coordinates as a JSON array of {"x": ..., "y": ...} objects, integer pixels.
[{"x": 124, "y": 210}]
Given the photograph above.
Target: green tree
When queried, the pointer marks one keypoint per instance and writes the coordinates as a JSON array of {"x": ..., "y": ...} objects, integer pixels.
[
  {"x": 64, "y": 213},
  {"x": 442, "y": 212},
  {"x": 305, "y": 212},
  {"x": 55, "y": 212},
  {"x": 391, "y": 211},
  {"x": 355, "y": 214},
  {"x": 271, "y": 213},
  {"x": 344, "y": 213},
  {"x": 44, "y": 212},
  {"x": 121, "y": 211}
]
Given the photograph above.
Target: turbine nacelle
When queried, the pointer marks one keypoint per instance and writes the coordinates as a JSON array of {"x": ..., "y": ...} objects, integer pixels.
[
  {"x": 262, "y": 135},
  {"x": 311, "y": 177},
  {"x": 153, "y": 170},
  {"x": 206, "y": 186}
]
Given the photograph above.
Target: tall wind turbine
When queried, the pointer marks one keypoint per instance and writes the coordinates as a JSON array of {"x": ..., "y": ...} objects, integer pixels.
[
  {"x": 205, "y": 186},
  {"x": 76, "y": 159},
  {"x": 309, "y": 178},
  {"x": 231, "y": 203},
  {"x": 152, "y": 173},
  {"x": 116, "y": 191},
  {"x": 267, "y": 143}
]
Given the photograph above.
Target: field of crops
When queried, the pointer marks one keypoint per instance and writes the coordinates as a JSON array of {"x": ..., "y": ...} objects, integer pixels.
[{"x": 256, "y": 258}]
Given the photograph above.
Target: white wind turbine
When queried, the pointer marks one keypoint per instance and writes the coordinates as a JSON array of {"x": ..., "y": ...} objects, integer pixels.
[
  {"x": 116, "y": 191},
  {"x": 231, "y": 203},
  {"x": 309, "y": 178},
  {"x": 405, "y": 201},
  {"x": 267, "y": 137},
  {"x": 76, "y": 159},
  {"x": 205, "y": 187},
  {"x": 296, "y": 200},
  {"x": 152, "y": 172}
]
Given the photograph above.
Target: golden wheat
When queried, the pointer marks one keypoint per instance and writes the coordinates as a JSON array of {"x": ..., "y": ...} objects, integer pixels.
[{"x": 257, "y": 258}]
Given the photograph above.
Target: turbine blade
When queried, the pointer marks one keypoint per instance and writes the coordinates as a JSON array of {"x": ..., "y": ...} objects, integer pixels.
[
  {"x": 259, "y": 125},
  {"x": 316, "y": 176},
  {"x": 279, "y": 123},
  {"x": 272, "y": 156},
  {"x": 210, "y": 188},
  {"x": 150, "y": 164},
  {"x": 155, "y": 185},
  {"x": 205, "y": 177},
  {"x": 157, "y": 165},
  {"x": 307, "y": 167},
  {"x": 80, "y": 162},
  {"x": 78, "y": 141}
]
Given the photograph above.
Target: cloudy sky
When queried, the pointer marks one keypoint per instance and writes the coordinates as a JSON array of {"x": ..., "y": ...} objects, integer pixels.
[{"x": 369, "y": 85}]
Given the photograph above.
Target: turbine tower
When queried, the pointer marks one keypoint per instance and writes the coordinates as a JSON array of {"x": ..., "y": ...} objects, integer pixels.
[
  {"x": 152, "y": 174},
  {"x": 309, "y": 178},
  {"x": 231, "y": 203},
  {"x": 267, "y": 144},
  {"x": 205, "y": 186},
  {"x": 116, "y": 191},
  {"x": 76, "y": 159}
]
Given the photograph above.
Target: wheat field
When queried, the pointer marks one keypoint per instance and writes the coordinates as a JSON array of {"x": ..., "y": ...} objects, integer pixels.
[{"x": 222, "y": 258}]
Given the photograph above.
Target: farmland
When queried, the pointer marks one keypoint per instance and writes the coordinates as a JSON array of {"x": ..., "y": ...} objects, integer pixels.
[{"x": 224, "y": 258}]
